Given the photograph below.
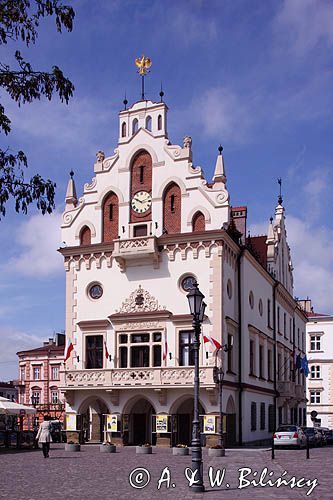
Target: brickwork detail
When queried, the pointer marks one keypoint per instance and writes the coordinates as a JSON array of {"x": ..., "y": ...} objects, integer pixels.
[
  {"x": 110, "y": 217},
  {"x": 141, "y": 180},
  {"x": 172, "y": 209},
  {"x": 85, "y": 236},
  {"x": 198, "y": 222}
]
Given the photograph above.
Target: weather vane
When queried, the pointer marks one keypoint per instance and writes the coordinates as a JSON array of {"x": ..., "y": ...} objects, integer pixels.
[
  {"x": 143, "y": 64},
  {"x": 280, "y": 194}
]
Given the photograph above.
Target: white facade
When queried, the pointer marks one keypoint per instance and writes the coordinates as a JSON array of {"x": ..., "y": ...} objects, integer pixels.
[
  {"x": 140, "y": 277},
  {"x": 319, "y": 333}
]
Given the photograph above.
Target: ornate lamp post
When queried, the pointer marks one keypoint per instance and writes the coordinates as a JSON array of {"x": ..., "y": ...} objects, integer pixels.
[{"x": 197, "y": 309}]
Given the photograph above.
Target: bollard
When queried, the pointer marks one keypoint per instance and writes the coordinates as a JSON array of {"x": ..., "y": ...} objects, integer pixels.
[
  {"x": 307, "y": 447},
  {"x": 273, "y": 449}
]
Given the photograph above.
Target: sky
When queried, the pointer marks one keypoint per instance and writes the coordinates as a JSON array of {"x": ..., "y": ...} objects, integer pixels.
[{"x": 253, "y": 75}]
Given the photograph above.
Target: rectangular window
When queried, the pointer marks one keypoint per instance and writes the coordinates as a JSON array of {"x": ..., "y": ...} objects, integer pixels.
[
  {"x": 55, "y": 372},
  {"x": 268, "y": 313},
  {"x": 271, "y": 418},
  {"x": 140, "y": 231},
  {"x": 285, "y": 324},
  {"x": 186, "y": 353},
  {"x": 269, "y": 364},
  {"x": 22, "y": 373},
  {"x": 111, "y": 211},
  {"x": 315, "y": 397},
  {"x": 54, "y": 397},
  {"x": 290, "y": 330},
  {"x": 298, "y": 338},
  {"x": 253, "y": 416},
  {"x": 314, "y": 342},
  {"x": 278, "y": 319},
  {"x": 291, "y": 371},
  {"x": 172, "y": 203},
  {"x": 261, "y": 361},
  {"x": 279, "y": 367},
  {"x": 140, "y": 356},
  {"x": 303, "y": 343},
  {"x": 139, "y": 338},
  {"x": 230, "y": 353},
  {"x": 94, "y": 351},
  {"x": 141, "y": 174},
  {"x": 251, "y": 357},
  {"x": 315, "y": 371},
  {"x": 37, "y": 371},
  {"x": 35, "y": 398},
  {"x": 123, "y": 357},
  {"x": 142, "y": 350},
  {"x": 157, "y": 349},
  {"x": 262, "y": 416}
]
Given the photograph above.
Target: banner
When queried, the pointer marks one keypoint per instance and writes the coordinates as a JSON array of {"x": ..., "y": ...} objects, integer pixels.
[
  {"x": 209, "y": 426},
  {"x": 70, "y": 421},
  {"x": 112, "y": 423},
  {"x": 161, "y": 423}
]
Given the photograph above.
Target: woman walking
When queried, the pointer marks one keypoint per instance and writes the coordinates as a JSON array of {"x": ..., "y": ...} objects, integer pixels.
[{"x": 44, "y": 435}]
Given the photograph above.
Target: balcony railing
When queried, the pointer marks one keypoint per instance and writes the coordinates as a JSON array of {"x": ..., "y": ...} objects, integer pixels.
[
  {"x": 135, "y": 377},
  {"x": 286, "y": 389},
  {"x": 127, "y": 252}
]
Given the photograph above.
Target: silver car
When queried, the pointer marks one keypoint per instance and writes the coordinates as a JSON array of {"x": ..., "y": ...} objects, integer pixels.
[{"x": 289, "y": 435}]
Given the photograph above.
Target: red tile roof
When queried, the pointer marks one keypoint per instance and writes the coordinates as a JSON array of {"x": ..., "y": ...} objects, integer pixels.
[
  {"x": 44, "y": 350},
  {"x": 315, "y": 315},
  {"x": 259, "y": 246},
  {"x": 236, "y": 209}
]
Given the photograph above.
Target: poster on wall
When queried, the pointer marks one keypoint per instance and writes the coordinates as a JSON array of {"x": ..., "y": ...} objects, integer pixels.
[
  {"x": 70, "y": 421},
  {"x": 209, "y": 424},
  {"x": 112, "y": 423},
  {"x": 161, "y": 423}
]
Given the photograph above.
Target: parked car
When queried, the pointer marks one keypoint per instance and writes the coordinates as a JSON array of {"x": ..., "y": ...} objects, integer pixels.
[
  {"x": 289, "y": 435},
  {"x": 329, "y": 436},
  {"x": 313, "y": 435},
  {"x": 322, "y": 435}
]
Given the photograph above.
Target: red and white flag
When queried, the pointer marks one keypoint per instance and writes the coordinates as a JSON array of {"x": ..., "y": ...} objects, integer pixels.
[
  {"x": 214, "y": 342},
  {"x": 68, "y": 349},
  {"x": 106, "y": 351},
  {"x": 165, "y": 347}
]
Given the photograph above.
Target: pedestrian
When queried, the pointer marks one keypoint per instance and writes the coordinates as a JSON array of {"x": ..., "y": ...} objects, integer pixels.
[{"x": 44, "y": 435}]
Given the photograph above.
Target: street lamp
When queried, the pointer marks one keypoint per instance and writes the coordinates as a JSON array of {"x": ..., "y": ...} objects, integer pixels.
[
  {"x": 197, "y": 309},
  {"x": 218, "y": 376}
]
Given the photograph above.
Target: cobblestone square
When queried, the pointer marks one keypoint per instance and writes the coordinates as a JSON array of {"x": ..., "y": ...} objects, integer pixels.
[{"x": 89, "y": 474}]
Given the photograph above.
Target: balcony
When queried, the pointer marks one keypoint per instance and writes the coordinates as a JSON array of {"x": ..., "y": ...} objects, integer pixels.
[
  {"x": 134, "y": 251},
  {"x": 123, "y": 378},
  {"x": 299, "y": 391},
  {"x": 286, "y": 389}
]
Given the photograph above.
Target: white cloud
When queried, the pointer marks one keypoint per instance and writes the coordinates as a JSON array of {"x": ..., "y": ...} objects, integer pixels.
[
  {"x": 303, "y": 24},
  {"x": 312, "y": 255},
  {"x": 38, "y": 239},
  {"x": 12, "y": 341}
]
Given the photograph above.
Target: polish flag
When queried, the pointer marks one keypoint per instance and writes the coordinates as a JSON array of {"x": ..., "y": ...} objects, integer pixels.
[
  {"x": 214, "y": 342},
  {"x": 106, "y": 351},
  {"x": 165, "y": 347},
  {"x": 68, "y": 349}
]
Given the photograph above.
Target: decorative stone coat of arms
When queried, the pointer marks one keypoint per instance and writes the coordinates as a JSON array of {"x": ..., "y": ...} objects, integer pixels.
[{"x": 140, "y": 301}]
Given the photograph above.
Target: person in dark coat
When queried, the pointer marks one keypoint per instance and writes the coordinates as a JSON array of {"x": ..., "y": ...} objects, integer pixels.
[{"x": 44, "y": 435}]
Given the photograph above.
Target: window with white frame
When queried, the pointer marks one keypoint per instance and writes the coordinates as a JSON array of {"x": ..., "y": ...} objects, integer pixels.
[
  {"x": 140, "y": 350},
  {"x": 315, "y": 371},
  {"x": 55, "y": 372},
  {"x": 54, "y": 397},
  {"x": 315, "y": 342},
  {"x": 36, "y": 372},
  {"x": 35, "y": 397},
  {"x": 315, "y": 397},
  {"x": 22, "y": 373}
]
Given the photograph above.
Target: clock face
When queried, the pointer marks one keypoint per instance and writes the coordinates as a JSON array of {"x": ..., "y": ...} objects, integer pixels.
[{"x": 141, "y": 202}]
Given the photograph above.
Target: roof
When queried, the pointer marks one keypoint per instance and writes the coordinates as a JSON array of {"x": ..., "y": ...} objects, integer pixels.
[
  {"x": 316, "y": 315},
  {"x": 45, "y": 349},
  {"x": 259, "y": 247},
  {"x": 237, "y": 209}
]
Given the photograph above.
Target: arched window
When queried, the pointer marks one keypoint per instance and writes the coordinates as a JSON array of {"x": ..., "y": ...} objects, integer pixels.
[
  {"x": 148, "y": 123},
  {"x": 198, "y": 222},
  {"x": 172, "y": 209},
  {"x": 123, "y": 129},
  {"x": 85, "y": 236},
  {"x": 159, "y": 122},
  {"x": 141, "y": 180},
  {"x": 110, "y": 217},
  {"x": 135, "y": 126}
]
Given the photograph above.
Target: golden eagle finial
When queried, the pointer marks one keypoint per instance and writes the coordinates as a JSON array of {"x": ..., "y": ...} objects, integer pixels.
[{"x": 143, "y": 63}]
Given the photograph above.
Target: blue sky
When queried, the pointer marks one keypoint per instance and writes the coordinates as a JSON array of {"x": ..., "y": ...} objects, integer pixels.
[{"x": 253, "y": 75}]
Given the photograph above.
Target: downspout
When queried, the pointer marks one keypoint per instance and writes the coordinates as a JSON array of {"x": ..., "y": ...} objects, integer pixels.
[
  {"x": 275, "y": 350},
  {"x": 240, "y": 385}
]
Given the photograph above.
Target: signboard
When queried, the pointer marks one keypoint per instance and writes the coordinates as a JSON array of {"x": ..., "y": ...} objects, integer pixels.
[
  {"x": 112, "y": 423},
  {"x": 162, "y": 423},
  {"x": 209, "y": 424},
  {"x": 70, "y": 421}
]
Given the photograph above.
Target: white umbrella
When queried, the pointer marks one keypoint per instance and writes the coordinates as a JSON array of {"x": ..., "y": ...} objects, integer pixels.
[{"x": 8, "y": 407}]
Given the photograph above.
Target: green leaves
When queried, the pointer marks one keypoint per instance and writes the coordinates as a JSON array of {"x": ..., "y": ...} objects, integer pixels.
[{"x": 19, "y": 20}]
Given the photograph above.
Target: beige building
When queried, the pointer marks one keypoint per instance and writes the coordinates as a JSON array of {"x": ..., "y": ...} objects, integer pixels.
[{"x": 146, "y": 226}]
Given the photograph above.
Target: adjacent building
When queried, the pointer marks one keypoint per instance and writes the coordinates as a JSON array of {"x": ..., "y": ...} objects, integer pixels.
[
  {"x": 146, "y": 227},
  {"x": 319, "y": 333},
  {"x": 8, "y": 390},
  {"x": 39, "y": 376}
]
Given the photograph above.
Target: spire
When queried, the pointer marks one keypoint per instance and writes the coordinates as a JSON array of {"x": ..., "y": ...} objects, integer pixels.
[
  {"x": 270, "y": 233},
  {"x": 280, "y": 199},
  {"x": 219, "y": 174},
  {"x": 161, "y": 93},
  {"x": 71, "y": 199}
]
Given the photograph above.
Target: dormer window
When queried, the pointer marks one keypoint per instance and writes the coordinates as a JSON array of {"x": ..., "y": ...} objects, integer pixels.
[
  {"x": 148, "y": 123},
  {"x": 135, "y": 126},
  {"x": 123, "y": 130},
  {"x": 159, "y": 122}
]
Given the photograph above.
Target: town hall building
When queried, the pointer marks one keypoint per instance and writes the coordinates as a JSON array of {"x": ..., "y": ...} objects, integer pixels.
[{"x": 146, "y": 227}]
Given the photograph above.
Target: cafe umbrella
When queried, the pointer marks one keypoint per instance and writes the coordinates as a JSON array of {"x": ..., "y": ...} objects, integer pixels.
[{"x": 8, "y": 407}]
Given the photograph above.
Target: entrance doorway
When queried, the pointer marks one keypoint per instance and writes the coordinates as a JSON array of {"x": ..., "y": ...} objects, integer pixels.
[
  {"x": 93, "y": 414},
  {"x": 231, "y": 422},
  {"x": 140, "y": 424},
  {"x": 184, "y": 418}
]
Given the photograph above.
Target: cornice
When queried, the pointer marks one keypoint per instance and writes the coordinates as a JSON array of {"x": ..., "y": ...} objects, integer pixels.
[
  {"x": 135, "y": 316},
  {"x": 94, "y": 323}
]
